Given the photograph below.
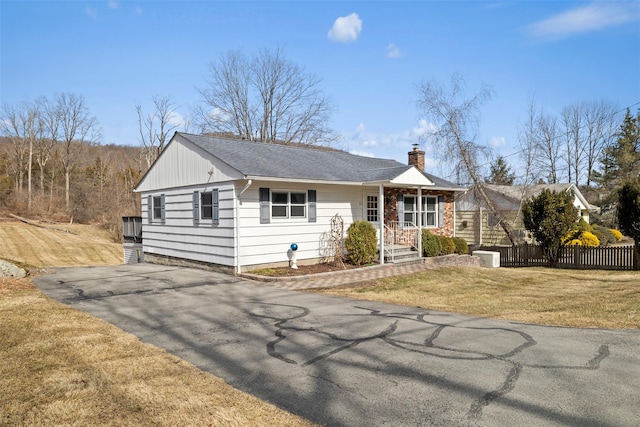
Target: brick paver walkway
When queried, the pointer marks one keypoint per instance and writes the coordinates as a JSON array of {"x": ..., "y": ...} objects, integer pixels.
[{"x": 339, "y": 278}]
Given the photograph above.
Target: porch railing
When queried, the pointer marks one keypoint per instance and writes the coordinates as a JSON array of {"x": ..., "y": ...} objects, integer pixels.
[
  {"x": 389, "y": 238},
  {"x": 402, "y": 232}
]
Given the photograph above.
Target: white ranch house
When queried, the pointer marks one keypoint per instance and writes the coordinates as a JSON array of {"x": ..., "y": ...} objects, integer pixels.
[{"x": 239, "y": 205}]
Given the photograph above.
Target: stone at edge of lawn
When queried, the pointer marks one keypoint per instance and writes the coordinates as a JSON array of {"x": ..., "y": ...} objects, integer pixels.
[{"x": 11, "y": 270}]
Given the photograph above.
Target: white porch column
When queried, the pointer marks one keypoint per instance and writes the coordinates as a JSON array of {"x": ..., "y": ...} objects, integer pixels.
[
  {"x": 420, "y": 221},
  {"x": 381, "y": 221}
]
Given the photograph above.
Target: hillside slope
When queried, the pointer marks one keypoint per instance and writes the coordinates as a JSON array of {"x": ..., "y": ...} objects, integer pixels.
[{"x": 79, "y": 245}]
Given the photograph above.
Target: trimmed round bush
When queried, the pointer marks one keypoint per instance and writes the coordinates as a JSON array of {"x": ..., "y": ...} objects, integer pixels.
[
  {"x": 361, "y": 243},
  {"x": 430, "y": 244},
  {"x": 617, "y": 234},
  {"x": 461, "y": 246},
  {"x": 447, "y": 246}
]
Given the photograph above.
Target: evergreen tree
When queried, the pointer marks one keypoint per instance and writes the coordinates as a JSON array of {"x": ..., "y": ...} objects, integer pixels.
[
  {"x": 629, "y": 215},
  {"x": 549, "y": 216},
  {"x": 500, "y": 173},
  {"x": 621, "y": 160}
]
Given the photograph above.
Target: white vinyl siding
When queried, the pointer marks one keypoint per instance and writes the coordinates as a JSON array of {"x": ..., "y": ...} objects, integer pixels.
[
  {"x": 263, "y": 243},
  {"x": 183, "y": 164},
  {"x": 181, "y": 236},
  {"x": 256, "y": 243}
]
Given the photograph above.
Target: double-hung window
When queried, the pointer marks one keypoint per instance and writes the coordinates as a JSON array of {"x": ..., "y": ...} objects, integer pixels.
[
  {"x": 206, "y": 206},
  {"x": 288, "y": 204},
  {"x": 429, "y": 210},
  {"x": 155, "y": 208}
]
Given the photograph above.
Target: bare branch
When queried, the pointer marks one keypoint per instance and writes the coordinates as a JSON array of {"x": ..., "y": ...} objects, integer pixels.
[{"x": 266, "y": 98}]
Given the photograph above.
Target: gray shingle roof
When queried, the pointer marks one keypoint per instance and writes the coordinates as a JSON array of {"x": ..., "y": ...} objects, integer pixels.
[{"x": 294, "y": 162}]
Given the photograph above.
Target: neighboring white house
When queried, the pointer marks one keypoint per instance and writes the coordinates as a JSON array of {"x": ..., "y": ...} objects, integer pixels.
[
  {"x": 476, "y": 224},
  {"x": 240, "y": 205}
]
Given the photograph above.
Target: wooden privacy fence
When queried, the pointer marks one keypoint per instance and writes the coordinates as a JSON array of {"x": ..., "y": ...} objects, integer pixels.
[{"x": 578, "y": 257}]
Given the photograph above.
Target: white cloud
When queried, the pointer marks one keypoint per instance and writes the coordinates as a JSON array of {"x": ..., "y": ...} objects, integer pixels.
[
  {"x": 346, "y": 29},
  {"x": 112, "y": 4},
  {"x": 389, "y": 145},
  {"x": 594, "y": 16},
  {"x": 219, "y": 115},
  {"x": 176, "y": 119},
  {"x": 498, "y": 141},
  {"x": 424, "y": 128},
  {"x": 393, "y": 51},
  {"x": 91, "y": 12}
]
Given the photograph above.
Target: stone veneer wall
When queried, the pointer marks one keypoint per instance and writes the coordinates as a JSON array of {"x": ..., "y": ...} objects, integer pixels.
[
  {"x": 453, "y": 260},
  {"x": 391, "y": 207}
]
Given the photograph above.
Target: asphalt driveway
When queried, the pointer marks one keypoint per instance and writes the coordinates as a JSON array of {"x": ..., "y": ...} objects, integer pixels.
[{"x": 343, "y": 362}]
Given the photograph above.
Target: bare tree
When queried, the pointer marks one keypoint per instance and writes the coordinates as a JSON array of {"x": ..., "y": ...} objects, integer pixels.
[
  {"x": 572, "y": 123},
  {"x": 77, "y": 128},
  {"x": 50, "y": 116},
  {"x": 456, "y": 119},
  {"x": 528, "y": 137},
  {"x": 601, "y": 121},
  {"x": 549, "y": 145},
  {"x": 23, "y": 126},
  {"x": 266, "y": 98},
  {"x": 156, "y": 127}
]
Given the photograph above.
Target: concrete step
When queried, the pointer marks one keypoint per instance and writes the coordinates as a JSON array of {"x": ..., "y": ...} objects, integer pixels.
[{"x": 403, "y": 254}]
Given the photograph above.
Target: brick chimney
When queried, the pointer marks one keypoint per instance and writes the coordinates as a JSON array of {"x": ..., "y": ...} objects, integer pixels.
[{"x": 416, "y": 157}]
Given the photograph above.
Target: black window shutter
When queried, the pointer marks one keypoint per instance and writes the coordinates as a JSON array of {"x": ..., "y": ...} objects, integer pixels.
[
  {"x": 311, "y": 196},
  {"x": 264, "y": 206},
  {"x": 440, "y": 211}
]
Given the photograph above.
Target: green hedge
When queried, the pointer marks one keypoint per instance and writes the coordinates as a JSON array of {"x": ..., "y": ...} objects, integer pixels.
[
  {"x": 430, "y": 244},
  {"x": 461, "y": 246},
  {"x": 447, "y": 246},
  {"x": 361, "y": 243}
]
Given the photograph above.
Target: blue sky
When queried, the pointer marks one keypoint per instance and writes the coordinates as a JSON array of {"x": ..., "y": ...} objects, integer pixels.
[{"x": 370, "y": 56}]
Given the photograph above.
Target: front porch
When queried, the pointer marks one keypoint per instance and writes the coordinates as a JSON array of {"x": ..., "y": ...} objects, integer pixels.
[{"x": 401, "y": 242}]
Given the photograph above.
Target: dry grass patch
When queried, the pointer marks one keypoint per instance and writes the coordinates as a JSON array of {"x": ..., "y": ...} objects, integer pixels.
[
  {"x": 590, "y": 299},
  {"x": 60, "y": 366},
  {"x": 40, "y": 247}
]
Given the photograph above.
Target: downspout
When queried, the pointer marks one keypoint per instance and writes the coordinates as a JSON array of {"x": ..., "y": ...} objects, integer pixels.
[
  {"x": 381, "y": 219},
  {"x": 237, "y": 225},
  {"x": 480, "y": 227},
  {"x": 419, "y": 238}
]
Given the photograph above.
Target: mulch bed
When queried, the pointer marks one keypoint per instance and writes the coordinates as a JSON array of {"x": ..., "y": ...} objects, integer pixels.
[{"x": 302, "y": 270}]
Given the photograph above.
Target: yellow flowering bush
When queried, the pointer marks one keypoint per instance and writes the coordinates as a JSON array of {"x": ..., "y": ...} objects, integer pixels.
[
  {"x": 617, "y": 234},
  {"x": 583, "y": 238}
]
